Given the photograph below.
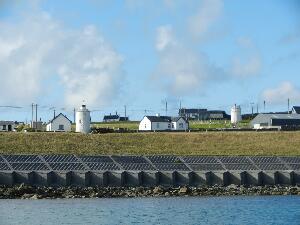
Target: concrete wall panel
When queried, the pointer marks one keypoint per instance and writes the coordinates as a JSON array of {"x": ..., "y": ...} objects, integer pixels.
[{"x": 6, "y": 178}]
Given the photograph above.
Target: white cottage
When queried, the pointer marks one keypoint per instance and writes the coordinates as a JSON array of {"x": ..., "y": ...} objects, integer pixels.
[
  {"x": 153, "y": 123},
  {"x": 59, "y": 123}
]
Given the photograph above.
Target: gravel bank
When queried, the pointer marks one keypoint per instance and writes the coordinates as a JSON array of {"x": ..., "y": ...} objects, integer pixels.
[{"x": 28, "y": 192}]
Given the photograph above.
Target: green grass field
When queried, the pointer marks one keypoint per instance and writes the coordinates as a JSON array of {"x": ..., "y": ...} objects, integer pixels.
[
  {"x": 200, "y": 143},
  {"x": 134, "y": 125}
]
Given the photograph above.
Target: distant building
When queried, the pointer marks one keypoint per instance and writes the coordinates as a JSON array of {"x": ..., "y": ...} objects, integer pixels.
[
  {"x": 159, "y": 123},
  {"x": 39, "y": 125},
  {"x": 203, "y": 114},
  {"x": 275, "y": 121},
  {"x": 296, "y": 110},
  {"x": 6, "y": 126},
  {"x": 114, "y": 118},
  {"x": 60, "y": 123}
]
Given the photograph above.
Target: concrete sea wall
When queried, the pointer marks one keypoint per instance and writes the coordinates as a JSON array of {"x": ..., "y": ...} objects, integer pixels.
[{"x": 147, "y": 171}]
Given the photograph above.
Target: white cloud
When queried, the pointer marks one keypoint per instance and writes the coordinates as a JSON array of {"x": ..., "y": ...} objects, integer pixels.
[
  {"x": 164, "y": 37},
  {"x": 181, "y": 70},
  {"x": 249, "y": 67},
  {"x": 39, "y": 49},
  {"x": 248, "y": 62},
  {"x": 208, "y": 12},
  {"x": 280, "y": 94}
]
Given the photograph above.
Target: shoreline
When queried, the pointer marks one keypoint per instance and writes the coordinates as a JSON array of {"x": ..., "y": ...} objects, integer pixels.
[{"x": 31, "y": 192}]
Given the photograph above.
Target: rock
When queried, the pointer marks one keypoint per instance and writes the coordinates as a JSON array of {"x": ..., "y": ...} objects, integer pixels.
[
  {"x": 35, "y": 197},
  {"x": 27, "y": 196},
  {"x": 167, "y": 194},
  {"x": 157, "y": 190},
  {"x": 183, "y": 190}
]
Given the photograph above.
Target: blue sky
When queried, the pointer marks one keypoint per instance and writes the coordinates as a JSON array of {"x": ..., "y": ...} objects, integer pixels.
[{"x": 209, "y": 54}]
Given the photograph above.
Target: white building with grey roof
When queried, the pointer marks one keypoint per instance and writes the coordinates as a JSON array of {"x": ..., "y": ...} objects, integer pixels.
[
  {"x": 161, "y": 123},
  {"x": 264, "y": 120},
  {"x": 59, "y": 123},
  {"x": 7, "y": 126}
]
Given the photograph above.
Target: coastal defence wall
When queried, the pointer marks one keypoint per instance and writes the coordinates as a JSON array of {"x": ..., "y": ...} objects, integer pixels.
[{"x": 147, "y": 171}]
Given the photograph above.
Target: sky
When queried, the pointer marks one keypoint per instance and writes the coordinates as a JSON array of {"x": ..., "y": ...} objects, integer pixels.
[{"x": 141, "y": 54}]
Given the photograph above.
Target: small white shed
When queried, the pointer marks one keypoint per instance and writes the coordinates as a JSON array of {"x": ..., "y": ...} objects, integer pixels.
[{"x": 60, "y": 123}]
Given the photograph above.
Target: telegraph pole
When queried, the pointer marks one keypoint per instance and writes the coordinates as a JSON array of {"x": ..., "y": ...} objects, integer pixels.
[
  {"x": 288, "y": 106},
  {"x": 264, "y": 106},
  {"x": 252, "y": 108},
  {"x": 74, "y": 113},
  {"x": 36, "y": 106},
  {"x": 166, "y": 108},
  {"x": 125, "y": 109},
  {"x": 180, "y": 113},
  {"x": 32, "y": 115}
]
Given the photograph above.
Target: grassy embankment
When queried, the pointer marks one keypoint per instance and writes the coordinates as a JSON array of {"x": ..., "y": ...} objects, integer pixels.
[{"x": 203, "y": 143}]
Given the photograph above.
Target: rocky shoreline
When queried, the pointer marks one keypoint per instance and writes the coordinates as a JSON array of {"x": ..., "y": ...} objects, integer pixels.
[{"x": 30, "y": 192}]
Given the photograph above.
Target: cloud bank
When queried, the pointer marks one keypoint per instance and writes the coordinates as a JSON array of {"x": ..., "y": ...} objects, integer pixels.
[
  {"x": 279, "y": 95},
  {"x": 181, "y": 70},
  {"x": 248, "y": 63},
  {"x": 207, "y": 14},
  {"x": 38, "y": 53}
]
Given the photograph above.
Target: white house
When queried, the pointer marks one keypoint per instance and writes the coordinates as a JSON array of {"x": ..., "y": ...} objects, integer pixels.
[
  {"x": 7, "y": 126},
  {"x": 153, "y": 123},
  {"x": 59, "y": 123}
]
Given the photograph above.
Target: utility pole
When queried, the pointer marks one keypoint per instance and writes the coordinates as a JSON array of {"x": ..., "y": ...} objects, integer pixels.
[
  {"x": 257, "y": 108},
  {"x": 288, "y": 106},
  {"x": 74, "y": 113},
  {"x": 180, "y": 113},
  {"x": 36, "y": 106},
  {"x": 125, "y": 109},
  {"x": 264, "y": 106},
  {"x": 166, "y": 108},
  {"x": 32, "y": 115},
  {"x": 252, "y": 108}
]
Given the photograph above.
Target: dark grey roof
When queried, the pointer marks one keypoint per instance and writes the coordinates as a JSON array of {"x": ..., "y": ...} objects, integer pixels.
[
  {"x": 297, "y": 109},
  {"x": 183, "y": 110},
  {"x": 111, "y": 117},
  {"x": 217, "y": 111},
  {"x": 6, "y": 123},
  {"x": 175, "y": 119},
  {"x": 159, "y": 118},
  {"x": 164, "y": 118},
  {"x": 57, "y": 117}
]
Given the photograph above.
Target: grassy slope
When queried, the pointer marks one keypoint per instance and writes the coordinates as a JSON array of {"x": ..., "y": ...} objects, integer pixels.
[{"x": 210, "y": 143}]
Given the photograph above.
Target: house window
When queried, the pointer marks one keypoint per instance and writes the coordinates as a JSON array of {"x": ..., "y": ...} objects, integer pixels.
[
  {"x": 145, "y": 125},
  {"x": 61, "y": 127},
  {"x": 172, "y": 125},
  {"x": 157, "y": 125},
  {"x": 169, "y": 125},
  {"x": 180, "y": 125},
  {"x": 4, "y": 127},
  {"x": 79, "y": 121}
]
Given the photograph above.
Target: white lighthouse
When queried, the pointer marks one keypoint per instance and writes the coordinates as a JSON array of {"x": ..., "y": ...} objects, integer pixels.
[
  {"x": 236, "y": 115},
  {"x": 83, "y": 120}
]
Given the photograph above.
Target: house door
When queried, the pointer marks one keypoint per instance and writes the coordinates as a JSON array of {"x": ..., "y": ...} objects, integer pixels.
[{"x": 9, "y": 128}]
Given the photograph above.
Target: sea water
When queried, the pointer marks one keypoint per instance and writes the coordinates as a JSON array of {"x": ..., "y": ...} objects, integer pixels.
[{"x": 173, "y": 210}]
